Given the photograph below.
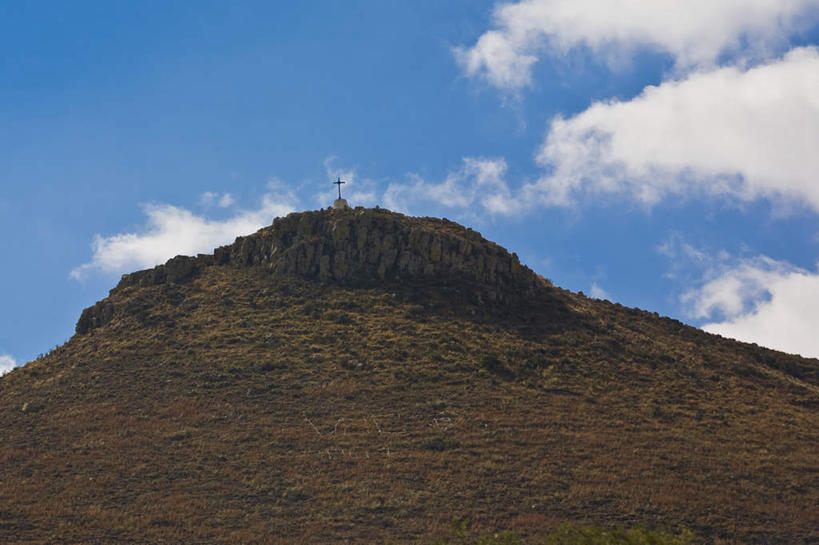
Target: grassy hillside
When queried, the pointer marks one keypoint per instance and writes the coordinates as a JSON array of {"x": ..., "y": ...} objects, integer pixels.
[{"x": 240, "y": 405}]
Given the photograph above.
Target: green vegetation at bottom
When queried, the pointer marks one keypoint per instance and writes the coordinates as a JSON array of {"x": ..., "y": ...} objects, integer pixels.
[{"x": 570, "y": 534}]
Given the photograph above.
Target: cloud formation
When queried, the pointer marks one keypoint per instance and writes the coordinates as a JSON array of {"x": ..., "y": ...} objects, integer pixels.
[
  {"x": 479, "y": 185},
  {"x": 356, "y": 190},
  {"x": 695, "y": 33},
  {"x": 740, "y": 121},
  {"x": 222, "y": 200},
  {"x": 761, "y": 300},
  {"x": 598, "y": 292},
  {"x": 743, "y": 134},
  {"x": 7, "y": 363},
  {"x": 172, "y": 230}
]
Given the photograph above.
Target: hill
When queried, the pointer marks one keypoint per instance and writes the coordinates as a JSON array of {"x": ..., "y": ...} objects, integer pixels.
[{"x": 360, "y": 376}]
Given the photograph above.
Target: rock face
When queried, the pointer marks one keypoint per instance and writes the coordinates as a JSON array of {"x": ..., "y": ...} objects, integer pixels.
[
  {"x": 360, "y": 246},
  {"x": 95, "y": 316}
]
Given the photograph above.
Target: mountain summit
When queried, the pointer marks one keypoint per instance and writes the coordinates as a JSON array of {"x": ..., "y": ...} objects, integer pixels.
[
  {"x": 356, "y": 375},
  {"x": 355, "y": 248}
]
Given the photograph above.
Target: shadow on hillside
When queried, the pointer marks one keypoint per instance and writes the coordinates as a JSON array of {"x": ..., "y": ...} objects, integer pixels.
[{"x": 533, "y": 316}]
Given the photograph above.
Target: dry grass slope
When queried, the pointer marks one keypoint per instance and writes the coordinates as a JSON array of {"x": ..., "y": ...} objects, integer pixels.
[{"x": 242, "y": 406}]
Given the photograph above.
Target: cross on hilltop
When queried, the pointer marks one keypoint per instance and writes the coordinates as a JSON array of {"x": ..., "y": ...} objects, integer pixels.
[
  {"x": 338, "y": 183},
  {"x": 339, "y": 204}
]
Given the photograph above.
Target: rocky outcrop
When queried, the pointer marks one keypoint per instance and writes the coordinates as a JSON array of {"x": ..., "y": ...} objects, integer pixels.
[
  {"x": 354, "y": 247},
  {"x": 95, "y": 316},
  {"x": 176, "y": 270}
]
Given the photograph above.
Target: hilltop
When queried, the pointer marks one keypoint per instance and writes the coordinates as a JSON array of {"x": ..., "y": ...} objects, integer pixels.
[{"x": 364, "y": 376}]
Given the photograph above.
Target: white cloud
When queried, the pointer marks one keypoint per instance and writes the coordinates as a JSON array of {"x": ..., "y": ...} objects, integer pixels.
[
  {"x": 761, "y": 300},
  {"x": 223, "y": 200},
  {"x": 598, "y": 292},
  {"x": 7, "y": 363},
  {"x": 479, "y": 185},
  {"x": 676, "y": 246},
  {"x": 172, "y": 230},
  {"x": 226, "y": 200},
  {"x": 356, "y": 191},
  {"x": 207, "y": 198},
  {"x": 733, "y": 290},
  {"x": 335, "y": 172},
  {"x": 740, "y": 134},
  {"x": 696, "y": 33}
]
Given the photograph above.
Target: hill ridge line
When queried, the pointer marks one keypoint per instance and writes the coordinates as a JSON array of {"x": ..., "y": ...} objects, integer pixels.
[{"x": 353, "y": 247}]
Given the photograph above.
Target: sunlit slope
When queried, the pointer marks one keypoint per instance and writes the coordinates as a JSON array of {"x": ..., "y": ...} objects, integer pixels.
[{"x": 270, "y": 394}]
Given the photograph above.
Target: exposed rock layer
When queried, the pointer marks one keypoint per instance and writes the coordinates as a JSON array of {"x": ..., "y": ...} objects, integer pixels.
[{"x": 361, "y": 246}]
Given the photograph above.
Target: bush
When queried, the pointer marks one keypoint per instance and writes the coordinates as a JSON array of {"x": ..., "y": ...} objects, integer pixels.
[
  {"x": 491, "y": 363},
  {"x": 338, "y": 316},
  {"x": 568, "y": 534},
  {"x": 595, "y": 535}
]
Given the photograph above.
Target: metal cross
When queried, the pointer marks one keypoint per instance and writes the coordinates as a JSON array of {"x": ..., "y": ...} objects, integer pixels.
[{"x": 338, "y": 183}]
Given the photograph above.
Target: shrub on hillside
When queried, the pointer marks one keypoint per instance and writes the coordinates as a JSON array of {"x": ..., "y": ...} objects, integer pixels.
[
  {"x": 594, "y": 535},
  {"x": 570, "y": 534}
]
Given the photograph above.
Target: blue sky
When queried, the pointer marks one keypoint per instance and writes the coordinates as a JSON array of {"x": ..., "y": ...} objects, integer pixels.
[{"x": 658, "y": 153}]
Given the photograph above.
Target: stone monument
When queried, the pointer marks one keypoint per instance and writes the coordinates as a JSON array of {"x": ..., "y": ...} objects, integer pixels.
[{"x": 339, "y": 203}]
